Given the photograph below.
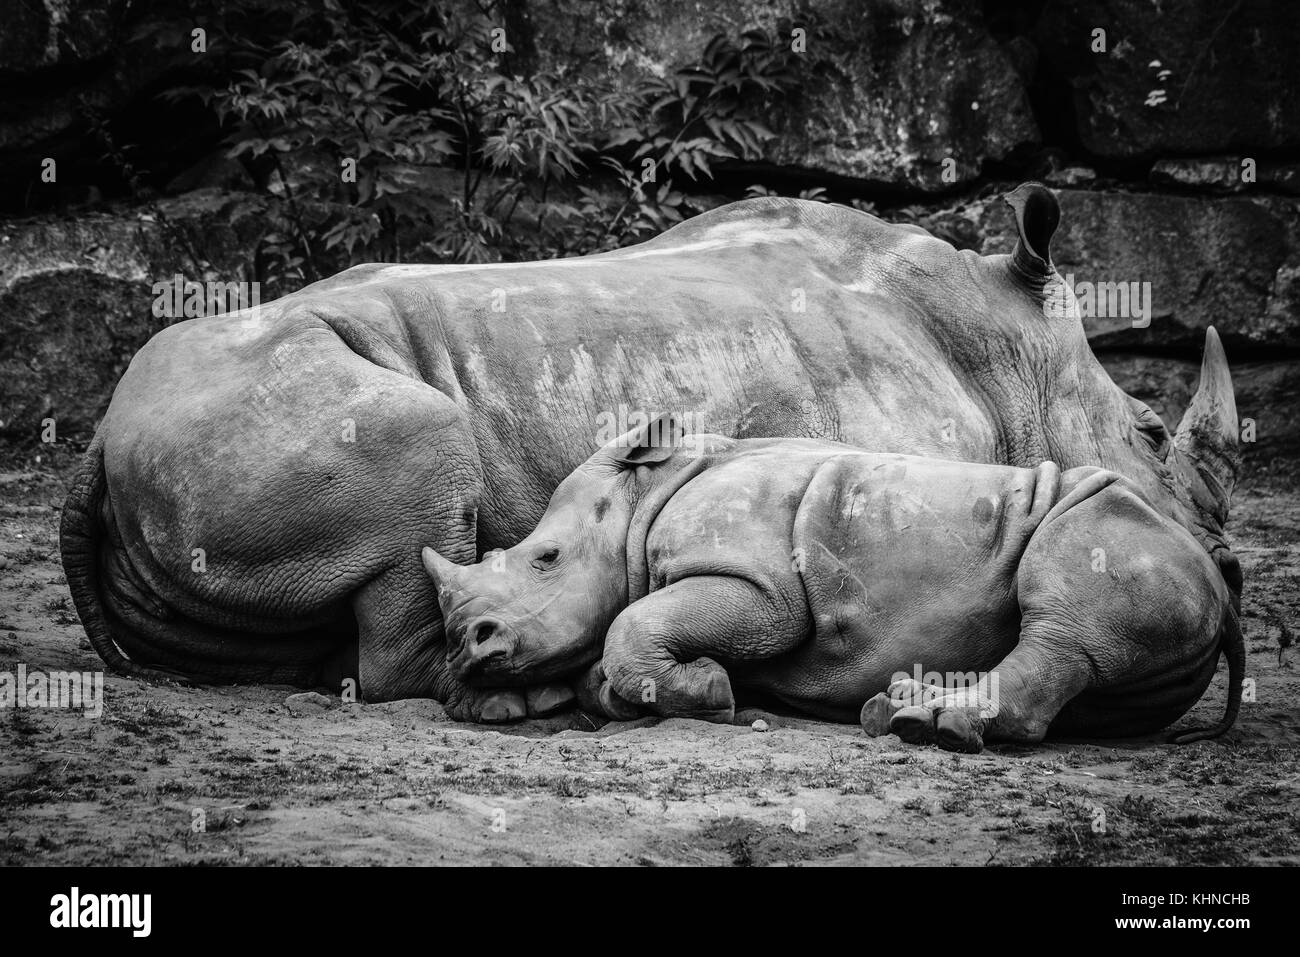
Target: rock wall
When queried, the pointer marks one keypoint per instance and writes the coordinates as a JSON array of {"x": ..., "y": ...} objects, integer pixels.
[
  {"x": 1230, "y": 262},
  {"x": 1191, "y": 78},
  {"x": 76, "y": 299},
  {"x": 1171, "y": 132},
  {"x": 891, "y": 89},
  {"x": 81, "y": 80}
]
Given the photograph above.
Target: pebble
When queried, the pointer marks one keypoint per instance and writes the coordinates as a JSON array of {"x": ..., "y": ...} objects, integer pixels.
[
  {"x": 759, "y": 725},
  {"x": 308, "y": 702}
]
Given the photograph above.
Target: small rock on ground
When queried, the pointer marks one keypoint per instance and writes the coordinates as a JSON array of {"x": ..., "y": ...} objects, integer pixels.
[{"x": 308, "y": 702}]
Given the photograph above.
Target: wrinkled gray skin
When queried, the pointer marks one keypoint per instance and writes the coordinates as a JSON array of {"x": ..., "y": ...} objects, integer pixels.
[
  {"x": 472, "y": 391},
  {"x": 818, "y": 574}
]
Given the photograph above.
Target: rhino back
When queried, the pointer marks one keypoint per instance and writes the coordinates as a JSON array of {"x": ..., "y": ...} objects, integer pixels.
[
  {"x": 768, "y": 317},
  {"x": 736, "y": 519},
  {"x": 895, "y": 555},
  {"x": 762, "y": 318}
]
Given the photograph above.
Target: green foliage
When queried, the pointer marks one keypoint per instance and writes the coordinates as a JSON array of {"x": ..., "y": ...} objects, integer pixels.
[{"x": 402, "y": 134}]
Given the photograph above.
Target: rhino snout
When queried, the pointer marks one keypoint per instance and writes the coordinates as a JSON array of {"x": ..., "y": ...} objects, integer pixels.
[{"x": 486, "y": 642}]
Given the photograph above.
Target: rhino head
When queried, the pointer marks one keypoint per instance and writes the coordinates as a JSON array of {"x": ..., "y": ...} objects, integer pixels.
[
  {"x": 1053, "y": 400},
  {"x": 540, "y": 609}
]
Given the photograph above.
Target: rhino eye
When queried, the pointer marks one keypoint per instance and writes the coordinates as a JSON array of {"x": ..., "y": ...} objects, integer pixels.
[
  {"x": 546, "y": 557},
  {"x": 1154, "y": 431}
]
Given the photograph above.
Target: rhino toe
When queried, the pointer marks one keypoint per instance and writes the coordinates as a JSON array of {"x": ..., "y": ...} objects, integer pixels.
[
  {"x": 615, "y": 707},
  {"x": 876, "y": 714},
  {"x": 956, "y": 732},
  {"x": 914, "y": 724}
]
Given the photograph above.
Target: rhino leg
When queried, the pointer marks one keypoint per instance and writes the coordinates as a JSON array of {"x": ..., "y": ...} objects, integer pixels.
[
  {"x": 399, "y": 639},
  {"x": 658, "y": 651},
  {"x": 1122, "y": 616},
  {"x": 1031, "y": 686},
  {"x": 430, "y": 492},
  {"x": 401, "y": 651},
  {"x": 1112, "y": 583}
]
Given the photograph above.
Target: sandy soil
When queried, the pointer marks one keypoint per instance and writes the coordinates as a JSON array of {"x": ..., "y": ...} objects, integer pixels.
[{"x": 400, "y": 783}]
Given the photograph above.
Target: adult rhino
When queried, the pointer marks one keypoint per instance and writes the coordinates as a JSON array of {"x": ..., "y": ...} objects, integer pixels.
[
  {"x": 253, "y": 505},
  {"x": 683, "y": 569}
]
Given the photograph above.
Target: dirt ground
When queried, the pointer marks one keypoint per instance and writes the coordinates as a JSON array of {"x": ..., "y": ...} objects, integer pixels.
[{"x": 400, "y": 783}]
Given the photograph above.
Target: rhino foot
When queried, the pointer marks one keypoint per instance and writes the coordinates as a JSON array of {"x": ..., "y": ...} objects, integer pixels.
[
  {"x": 615, "y": 707},
  {"x": 588, "y": 689},
  {"x": 597, "y": 696},
  {"x": 920, "y": 715},
  {"x": 507, "y": 705},
  {"x": 499, "y": 707},
  {"x": 879, "y": 711},
  {"x": 703, "y": 691},
  {"x": 546, "y": 700}
]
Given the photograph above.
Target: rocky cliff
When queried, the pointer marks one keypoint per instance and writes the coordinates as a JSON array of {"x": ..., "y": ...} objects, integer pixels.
[{"x": 1171, "y": 131}]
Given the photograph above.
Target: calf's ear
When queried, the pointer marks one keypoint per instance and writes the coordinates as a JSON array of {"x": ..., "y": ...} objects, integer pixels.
[{"x": 651, "y": 443}]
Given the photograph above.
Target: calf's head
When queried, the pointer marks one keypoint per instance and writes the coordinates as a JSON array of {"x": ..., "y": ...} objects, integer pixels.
[{"x": 540, "y": 609}]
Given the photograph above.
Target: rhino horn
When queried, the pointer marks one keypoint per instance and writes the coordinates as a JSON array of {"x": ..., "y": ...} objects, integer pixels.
[
  {"x": 1037, "y": 215},
  {"x": 444, "y": 574},
  {"x": 1207, "y": 435}
]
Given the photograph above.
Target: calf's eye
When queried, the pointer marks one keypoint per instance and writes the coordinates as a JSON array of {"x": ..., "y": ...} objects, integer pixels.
[{"x": 546, "y": 557}]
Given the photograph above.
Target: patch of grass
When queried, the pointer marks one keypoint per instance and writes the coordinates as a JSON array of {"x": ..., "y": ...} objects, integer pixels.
[
  {"x": 748, "y": 843},
  {"x": 917, "y": 803},
  {"x": 23, "y": 726},
  {"x": 960, "y": 801}
]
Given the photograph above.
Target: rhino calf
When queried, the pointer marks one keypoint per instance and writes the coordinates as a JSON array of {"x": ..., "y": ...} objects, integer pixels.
[{"x": 815, "y": 572}]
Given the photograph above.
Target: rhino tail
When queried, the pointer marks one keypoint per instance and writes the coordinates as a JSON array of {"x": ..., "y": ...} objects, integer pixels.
[
  {"x": 1233, "y": 645},
  {"x": 81, "y": 534}
]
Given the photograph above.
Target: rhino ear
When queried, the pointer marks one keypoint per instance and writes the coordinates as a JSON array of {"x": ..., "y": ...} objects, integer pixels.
[
  {"x": 1037, "y": 215},
  {"x": 651, "y": 443}
]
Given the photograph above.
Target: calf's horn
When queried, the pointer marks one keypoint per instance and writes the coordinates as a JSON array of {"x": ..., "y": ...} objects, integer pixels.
[
  {"x": 444, "y": 574},
  {"x": 1207, "y": 435}
]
